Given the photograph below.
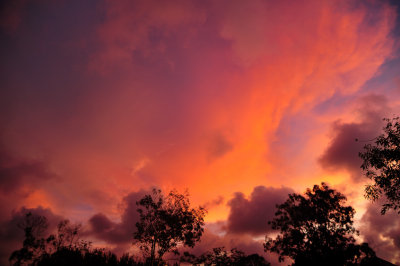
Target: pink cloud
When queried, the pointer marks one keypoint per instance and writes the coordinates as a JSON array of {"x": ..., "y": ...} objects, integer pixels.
[
  {"x": 350, "y": 138},
  {"x": 382, "y": 232},
  {"x": 252, "y": 215}
]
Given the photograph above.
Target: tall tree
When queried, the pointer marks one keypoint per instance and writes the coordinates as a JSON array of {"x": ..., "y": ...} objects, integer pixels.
[
  {"x": 317, "y": 229},
  {"x": 166, "y": 221},
  {"x": 381, "y": 163}
]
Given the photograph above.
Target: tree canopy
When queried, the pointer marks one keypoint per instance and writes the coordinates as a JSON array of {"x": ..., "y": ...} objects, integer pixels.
[
  {"x": 165, "y": 222},
  {"x": 317, "y": 229},
  {"x": 381, "y": 163}
]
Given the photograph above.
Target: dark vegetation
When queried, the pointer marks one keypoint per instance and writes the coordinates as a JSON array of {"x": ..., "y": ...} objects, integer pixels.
[
  {"x": 317, "y": 229},
  {"x": 220, "y": 256},
  {"x": 381, "y": 164},
  {"x": 166, "y": 221},
  {"x": 313, "y": 229}
]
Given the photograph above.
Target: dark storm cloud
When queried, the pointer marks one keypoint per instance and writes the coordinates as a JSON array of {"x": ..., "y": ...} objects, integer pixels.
[
  {"x": 16, "y": 172},
  {"x": 11, "y": 235},
  {"x": 344, "y": 149},
  {"x": 100, "y": 223},
  {"x": 350, "y": 138},
  {"x": 105, "y": 229},
  {"x": 382, "y": 232},
  {"x": 252, "y": 215}
]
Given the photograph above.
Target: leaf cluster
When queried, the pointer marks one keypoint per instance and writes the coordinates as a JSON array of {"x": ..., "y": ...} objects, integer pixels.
[{"x": 381, "y": 163}]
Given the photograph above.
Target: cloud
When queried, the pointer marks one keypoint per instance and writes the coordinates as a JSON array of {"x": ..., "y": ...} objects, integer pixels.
[
  {"x": 215, "y": 202},
  {"x": 18, "y": 172},
  {"x": 246, "y": 216},
  {"x": 245, "y": 243},
  {"x": 11, "y": 14},
  {"x": 142, "y": 30},
  {"x": 382, "y": 232},
  {"x": 211, "y": 240},
  {"x": 252, "y": 215},
  {"x": 219, "y": 146},
  {"x": 118, "y": 232},
  {"x": 166, "y": 75},
  {"x": 11, "y": 236},
  {"x": 23, "y": 181},
  {"x": 350, "y": 138}
]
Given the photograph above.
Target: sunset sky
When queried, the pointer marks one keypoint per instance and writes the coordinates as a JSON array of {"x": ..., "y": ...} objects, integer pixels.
[{"x": 239, "y": 102}]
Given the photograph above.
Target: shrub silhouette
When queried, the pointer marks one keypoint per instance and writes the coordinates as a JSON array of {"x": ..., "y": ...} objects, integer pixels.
[{"x": 221, "y": 257}]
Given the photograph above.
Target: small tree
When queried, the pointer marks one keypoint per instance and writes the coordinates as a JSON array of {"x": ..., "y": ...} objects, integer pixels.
[
  {"x": 34, "y": 244},
  {"x": 165, "y": 222},
  {"x": 381, "y": 163},
  {"x": 62, "y": 248},
  {"x": 316, "y": 229}
]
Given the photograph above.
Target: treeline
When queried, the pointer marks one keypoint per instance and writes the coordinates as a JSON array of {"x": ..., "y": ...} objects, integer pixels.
[
  {"x": 165, "y": 222},
  {"x": 314, "y": 228}
]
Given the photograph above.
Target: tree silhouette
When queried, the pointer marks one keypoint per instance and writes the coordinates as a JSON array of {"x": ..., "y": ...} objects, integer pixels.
[
  {"x": 381, "y": 163},
  {"x": 67, "y": 236},
  {"x": 317, "y": 229},
  {"x": 34, "y": 244},
  {"x": 62, "y": 249},
  {"x": 221, "y": 257},
  {"x": 166, "y": 221},
  {"x": 67, "y": 256}
]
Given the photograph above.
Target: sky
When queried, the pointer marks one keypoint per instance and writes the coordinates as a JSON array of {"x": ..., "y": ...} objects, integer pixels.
[{"x": 239, "y": 102}]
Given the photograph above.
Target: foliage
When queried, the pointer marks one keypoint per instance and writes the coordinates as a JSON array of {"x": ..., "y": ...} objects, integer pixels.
[
  {"x": 67, "y": 236},
  {"x": 61, "y": 249},
  {"x": 66, "y": 256},
  {"x": 221, "y": 257},
  {"x": 381, "y": 163},
  {"x": 165, "y": 222},
  {"x": 317, "y": 229},
  {"x": 34, "y": 245}
]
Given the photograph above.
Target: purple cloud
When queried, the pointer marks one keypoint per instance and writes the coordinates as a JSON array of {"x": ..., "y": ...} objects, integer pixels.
[
  {"x": 15, "y": 172},
  {"x": 118, "y": 232},
  {"x": 382, "y": 232},
  {"x": 349, "y": 138},
  {"x": 252, "y": 215}
]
